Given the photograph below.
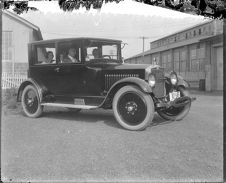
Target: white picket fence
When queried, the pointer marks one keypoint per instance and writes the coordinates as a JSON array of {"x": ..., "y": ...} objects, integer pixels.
[{"x": 12, "y": 80}]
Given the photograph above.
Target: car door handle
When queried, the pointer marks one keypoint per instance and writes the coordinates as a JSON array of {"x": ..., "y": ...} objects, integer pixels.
[{"x": 57, "y": 69}]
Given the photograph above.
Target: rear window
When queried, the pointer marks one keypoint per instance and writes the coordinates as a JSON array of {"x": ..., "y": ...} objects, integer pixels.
[
  {"x": 45, "y": 54},
  {"x": 70, "y": 52}
]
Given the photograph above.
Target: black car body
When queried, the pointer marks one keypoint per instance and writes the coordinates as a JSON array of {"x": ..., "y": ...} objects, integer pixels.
[{"x": 96, "y": 77}]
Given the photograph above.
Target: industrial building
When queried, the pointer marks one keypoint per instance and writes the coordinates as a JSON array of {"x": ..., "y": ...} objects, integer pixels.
[{"x": 196, "y": 53}]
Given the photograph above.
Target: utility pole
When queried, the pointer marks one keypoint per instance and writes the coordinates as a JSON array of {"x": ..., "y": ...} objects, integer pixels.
[{"x": 143, "y": 38}]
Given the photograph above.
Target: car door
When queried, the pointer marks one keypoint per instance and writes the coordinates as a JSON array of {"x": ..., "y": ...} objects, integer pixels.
[
  {"x": 79, "y": 79},
  {"x": 43, "y": 71},
  {"x": 70, "y": 79},
  {"x": 76, "y": 78}
]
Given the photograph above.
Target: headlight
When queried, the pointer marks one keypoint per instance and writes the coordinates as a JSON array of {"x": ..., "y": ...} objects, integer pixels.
[
  {"x": 151, "y": 80},
  {"x": 173, "y": 78}
]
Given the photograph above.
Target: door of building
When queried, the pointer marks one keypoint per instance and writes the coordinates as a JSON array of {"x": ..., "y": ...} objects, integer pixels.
[{"x": 219, "y": 56}]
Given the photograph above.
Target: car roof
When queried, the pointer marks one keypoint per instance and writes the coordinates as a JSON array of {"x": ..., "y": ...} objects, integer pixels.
[{"x": 73, "y": 39}]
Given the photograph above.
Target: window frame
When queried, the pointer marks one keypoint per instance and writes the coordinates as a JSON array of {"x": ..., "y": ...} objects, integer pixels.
[
  {"x": 6, "y": 49},
  {"x": 100, "y": 46},
  {"x": 194, "y": 62},
  {"x": 35, "y": 54},
  {"x": 79, "y": 50}
]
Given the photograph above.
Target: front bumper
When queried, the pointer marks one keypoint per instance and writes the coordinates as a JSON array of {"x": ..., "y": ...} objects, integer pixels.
[{"x": 179, "y": 102}]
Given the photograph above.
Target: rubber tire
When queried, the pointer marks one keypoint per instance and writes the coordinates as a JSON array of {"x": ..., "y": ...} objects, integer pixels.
[
  {"x": 182, "y": 114},
  {"x": 149, "y": 104},
  {"x": 40, "y": 108}
]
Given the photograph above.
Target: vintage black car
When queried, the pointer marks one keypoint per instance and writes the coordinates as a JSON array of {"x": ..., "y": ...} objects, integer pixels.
[{"x": 89, "y": 73}]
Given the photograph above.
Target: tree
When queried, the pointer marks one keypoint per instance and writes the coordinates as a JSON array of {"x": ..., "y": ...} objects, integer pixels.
[
  {"x": 19, "y": 6},
  {"x": 208, "y": 8}
]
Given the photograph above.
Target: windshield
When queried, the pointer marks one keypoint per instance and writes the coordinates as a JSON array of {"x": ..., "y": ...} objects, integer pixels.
[{"x": 97, "y": 51}]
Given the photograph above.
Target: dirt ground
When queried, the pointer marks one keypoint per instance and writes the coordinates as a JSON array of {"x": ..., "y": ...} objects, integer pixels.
[{"x": 91, "y": 146}]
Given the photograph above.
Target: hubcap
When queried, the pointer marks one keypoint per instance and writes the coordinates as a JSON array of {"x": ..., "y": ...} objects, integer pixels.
[
  {"x": 31, "y": 101},
  {"x": 132, "y": 108}
]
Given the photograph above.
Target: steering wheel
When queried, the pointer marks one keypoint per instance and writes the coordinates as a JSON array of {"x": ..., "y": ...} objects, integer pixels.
[{"x": 108, "y": 56}]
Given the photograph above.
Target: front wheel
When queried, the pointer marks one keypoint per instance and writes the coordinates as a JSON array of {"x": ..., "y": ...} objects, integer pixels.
[
  {"x": 31, "y": 102},
  {"x": 176, "y": 114},
  {"x": 133, "y": 109}
]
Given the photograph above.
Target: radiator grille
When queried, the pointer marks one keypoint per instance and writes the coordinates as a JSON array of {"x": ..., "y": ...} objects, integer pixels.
[
  {"x": 159, "y": 89},
  {"x": 110, "y": 79}
]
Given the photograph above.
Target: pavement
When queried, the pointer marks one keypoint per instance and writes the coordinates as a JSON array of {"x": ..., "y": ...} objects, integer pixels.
[
  {"x": 206, "y": 93},
  {"x": 91, "y": 146}
]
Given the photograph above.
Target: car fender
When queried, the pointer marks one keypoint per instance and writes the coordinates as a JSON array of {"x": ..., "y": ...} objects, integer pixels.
[
  {"x": 143, "y": 85},
  {"x": 40, "y": 88},
  {"x": 182, "y": 82}
]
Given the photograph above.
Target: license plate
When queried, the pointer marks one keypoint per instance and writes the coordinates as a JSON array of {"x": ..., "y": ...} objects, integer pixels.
[
  {"x": 79, "y": 101},
  {"x": 173, "y": 95}
]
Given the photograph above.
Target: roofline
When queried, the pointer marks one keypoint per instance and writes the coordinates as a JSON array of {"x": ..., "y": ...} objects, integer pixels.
[
  {"x": 209, "y": 38},
  {"x": 150, "y": 51},
  {"x": 25, "y": 22},
  {"x": 140, "y": 54},
  {"x": 186, "y": 29},
  {"x": 75, "y": 38}
]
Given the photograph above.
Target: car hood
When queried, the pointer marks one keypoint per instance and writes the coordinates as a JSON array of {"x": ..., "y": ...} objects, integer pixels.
[{"x": 130, "y": 66}]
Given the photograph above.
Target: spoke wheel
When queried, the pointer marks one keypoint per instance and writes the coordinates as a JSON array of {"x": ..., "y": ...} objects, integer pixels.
[
  {"x": 31, "y": 102},
  {"x": 133, "y": 109},
  {"x": 174, "y": 113}
]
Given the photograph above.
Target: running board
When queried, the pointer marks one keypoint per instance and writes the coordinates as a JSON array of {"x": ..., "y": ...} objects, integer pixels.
[{"x": 70, "y": 105}]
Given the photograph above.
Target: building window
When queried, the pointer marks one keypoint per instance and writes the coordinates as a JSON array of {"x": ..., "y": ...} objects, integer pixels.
[
  {"x": 194, "y": 61},
  {"x": 7, "y": 45},
  {"x": 197, "y": 58},
  {"x": 156, "y": 60},
  {"x": 201, "y": 52},
  {"x": 169, "y": 62},
  {"x": 200, "y": 31},
  {"x": 176, "y": 57},
  {"x": 201, "y": 57},
  {"x": 183, "y": 61},
  {"x": 166, "y": 61}
]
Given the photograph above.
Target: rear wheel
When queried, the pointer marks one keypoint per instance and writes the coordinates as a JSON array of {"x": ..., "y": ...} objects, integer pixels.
[
  {"x": 31, "y": 102},
  {"x": 174, "y": 113},
  {"x": 133, "y": 109}
]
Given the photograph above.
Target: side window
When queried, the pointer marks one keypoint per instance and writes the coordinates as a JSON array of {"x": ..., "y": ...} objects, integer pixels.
[
  {"x": 104, "y": 51},
  {"x": 69, "y": 52},
  {"x": 46, "y": 54},
  {"x": 110, "y": 51},
  {"x": 92, "y": 53}
]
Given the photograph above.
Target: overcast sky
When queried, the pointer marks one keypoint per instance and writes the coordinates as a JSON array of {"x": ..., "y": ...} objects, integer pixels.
[{"x": 127, "y": 21}]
